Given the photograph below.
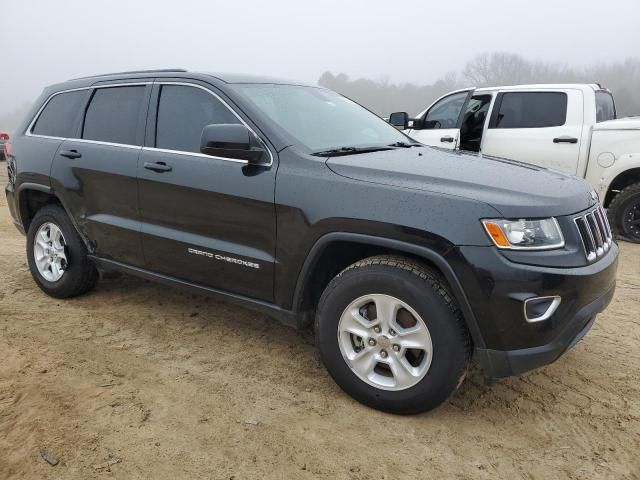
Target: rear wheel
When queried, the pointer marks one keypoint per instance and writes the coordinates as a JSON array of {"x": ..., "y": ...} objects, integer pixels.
[
  {"x": 391, "y": 336},
  {"x": 624, "y": 213},
  {"x": 57, "y": 256}
]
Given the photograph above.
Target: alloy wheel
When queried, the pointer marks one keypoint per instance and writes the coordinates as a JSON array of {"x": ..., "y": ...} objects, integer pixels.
[
  {"x": 385, "y": 342},
  {"x": 49, "y": 251}
]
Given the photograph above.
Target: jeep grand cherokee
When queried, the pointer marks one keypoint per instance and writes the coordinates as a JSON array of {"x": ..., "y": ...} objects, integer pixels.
[{"x": 410, "y": 261}]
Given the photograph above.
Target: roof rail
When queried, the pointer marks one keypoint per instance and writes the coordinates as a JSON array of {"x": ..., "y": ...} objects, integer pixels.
[{"x": 155, "y": 70}]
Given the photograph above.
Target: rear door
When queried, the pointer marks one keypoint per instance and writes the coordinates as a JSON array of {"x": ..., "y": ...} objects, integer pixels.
[
  {"x": 439, "y": 126},
  {"x": 543, "y": 127},
  {"x": 205, "y": 220},
  {"x": 96, "y": 173}
]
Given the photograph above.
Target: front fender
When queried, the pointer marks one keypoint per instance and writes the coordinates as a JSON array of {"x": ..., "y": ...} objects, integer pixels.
[{"x": 433, "y": 257}]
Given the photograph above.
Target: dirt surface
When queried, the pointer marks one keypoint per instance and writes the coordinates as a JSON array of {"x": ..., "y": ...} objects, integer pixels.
[{"x": 137, "y": 380}]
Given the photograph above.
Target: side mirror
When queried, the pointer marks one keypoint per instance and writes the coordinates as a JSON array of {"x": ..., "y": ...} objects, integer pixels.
[
  {"x": 232, "y": 141},
  {"x": 400, "y": 120}
]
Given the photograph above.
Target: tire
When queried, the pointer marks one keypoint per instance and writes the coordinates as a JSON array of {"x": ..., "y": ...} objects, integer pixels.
[
  {"x": 78, "y": 273},
  {"x": 417, "y": 291},
  {"x": 623, "y": 211}
]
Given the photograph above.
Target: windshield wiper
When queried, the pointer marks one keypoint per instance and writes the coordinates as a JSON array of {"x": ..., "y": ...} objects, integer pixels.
[
  {"x": 404, "y": 145},
  {"x": 336, "y": 152}
]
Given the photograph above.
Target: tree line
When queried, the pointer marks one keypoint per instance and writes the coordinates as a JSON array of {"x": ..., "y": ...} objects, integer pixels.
[{"x": 490, "y": 69}]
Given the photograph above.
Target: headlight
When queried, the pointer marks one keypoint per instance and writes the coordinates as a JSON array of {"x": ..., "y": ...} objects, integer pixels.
[{"x": 523, "y": 234}]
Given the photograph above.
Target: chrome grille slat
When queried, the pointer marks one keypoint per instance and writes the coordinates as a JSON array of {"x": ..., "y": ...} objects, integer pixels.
[
  {"x": 11, "y": 170},
  {"x": 595, "y": 233}
]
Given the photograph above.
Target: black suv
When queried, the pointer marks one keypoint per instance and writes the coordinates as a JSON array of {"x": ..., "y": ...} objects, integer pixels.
[{"x": 410, "y": 261}]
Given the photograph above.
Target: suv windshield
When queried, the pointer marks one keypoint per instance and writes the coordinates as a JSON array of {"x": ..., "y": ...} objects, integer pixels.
[{"x": 320, "y": 119}]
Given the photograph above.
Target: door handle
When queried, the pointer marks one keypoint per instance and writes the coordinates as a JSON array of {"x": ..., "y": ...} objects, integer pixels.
[
  {"x": 72, "y": 154},
  {"x": 157, "y": 166},
  {"x": 565, "y": 139},
  {"x": 447, "y": 139}
]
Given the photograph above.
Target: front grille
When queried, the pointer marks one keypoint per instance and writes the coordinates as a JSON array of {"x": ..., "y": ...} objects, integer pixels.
[{"x": 595, "y": 233}]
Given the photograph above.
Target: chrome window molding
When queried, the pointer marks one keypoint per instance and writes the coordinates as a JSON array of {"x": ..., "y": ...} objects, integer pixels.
[
  {"x": 195, "y": 154},
  {"x": 29, "y": 129}
]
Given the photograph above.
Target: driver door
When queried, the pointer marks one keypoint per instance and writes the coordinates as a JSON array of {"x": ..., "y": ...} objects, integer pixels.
[{"x": 439, "y": 126}]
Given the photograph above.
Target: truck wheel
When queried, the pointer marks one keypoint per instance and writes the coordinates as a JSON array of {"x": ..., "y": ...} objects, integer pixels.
[
  {"x": 391, "y": 335},
  {"x": 57, "y": 256},
  {"x": 624, "y": 213}
]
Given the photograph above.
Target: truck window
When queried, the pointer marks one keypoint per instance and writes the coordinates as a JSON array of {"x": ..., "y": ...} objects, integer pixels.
[
  {"x": 530, "y": 110},
  {"x": 605, "y": 107},
  {"x": 183, "y": 112},
  {"x": 59, "y": 116},
  {"x": 113, "y": 115},
  {"x": 446, "y": 112}
]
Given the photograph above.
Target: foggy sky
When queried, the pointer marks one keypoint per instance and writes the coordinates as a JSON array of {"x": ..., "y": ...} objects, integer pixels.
[{"x": 47, "y": 41}]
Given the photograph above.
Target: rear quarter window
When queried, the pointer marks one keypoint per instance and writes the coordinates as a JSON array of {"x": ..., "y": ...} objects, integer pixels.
[
  {"x": 530, "y": 110},
  {"x": 60, "y": 115},
  {"x": 605, "y": 106}
]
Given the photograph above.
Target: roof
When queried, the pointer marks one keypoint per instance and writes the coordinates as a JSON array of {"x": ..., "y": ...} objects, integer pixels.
[
  {"x": 179, "y": 72},
  {"x": 543, "y": 86}
]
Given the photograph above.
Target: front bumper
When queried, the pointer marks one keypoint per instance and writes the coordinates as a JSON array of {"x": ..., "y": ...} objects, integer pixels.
[
  {"x": 497, "y": 288},
  {"x": 500, "y": 363}
]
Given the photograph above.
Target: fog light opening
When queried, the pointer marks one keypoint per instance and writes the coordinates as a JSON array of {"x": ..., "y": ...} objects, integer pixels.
[{"x": 539, "y": 309}]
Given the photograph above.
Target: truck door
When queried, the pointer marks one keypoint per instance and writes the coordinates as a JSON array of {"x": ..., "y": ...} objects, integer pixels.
[
  {"x": 439, "y": 126},
  {"x": 543, "y": 127}
]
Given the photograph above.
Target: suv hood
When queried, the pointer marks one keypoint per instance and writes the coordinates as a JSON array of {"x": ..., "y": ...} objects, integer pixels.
[{"x": 515, "y": 189}]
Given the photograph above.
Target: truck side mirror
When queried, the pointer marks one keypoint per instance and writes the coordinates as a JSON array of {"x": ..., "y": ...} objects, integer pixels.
[
  {"x": 232, "y": 141},
  {"x": 400, "y": 120}
]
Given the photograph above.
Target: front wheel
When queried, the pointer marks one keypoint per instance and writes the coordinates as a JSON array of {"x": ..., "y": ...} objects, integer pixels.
[
  {"x": 391, "y": 335},
  {"x": 624, "y": 213}
]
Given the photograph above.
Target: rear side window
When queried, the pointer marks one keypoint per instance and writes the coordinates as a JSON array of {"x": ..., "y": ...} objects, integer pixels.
[
  {"x": 59, "y": 117},
  {"x": 605, "y": 108},
  {"x": 113, "y": 115},
  {"x": 530, "y": 110},
  {"x": 183, "y": 112}
]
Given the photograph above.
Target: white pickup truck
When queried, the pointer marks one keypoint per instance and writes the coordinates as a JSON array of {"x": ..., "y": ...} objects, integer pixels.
[{"x": 570, "y": 128}]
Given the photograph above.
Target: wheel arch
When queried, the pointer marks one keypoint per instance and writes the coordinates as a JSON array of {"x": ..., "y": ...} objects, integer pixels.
[
  {"x": 328, "y": 257},
  {"x": 621, "y": 181},
  {"x": 31, "y": 198}
]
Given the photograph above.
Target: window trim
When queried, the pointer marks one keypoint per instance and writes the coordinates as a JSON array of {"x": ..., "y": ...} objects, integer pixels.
[
  {"x": 498, "y": 103},
  {"x": 29, "y": 129}
]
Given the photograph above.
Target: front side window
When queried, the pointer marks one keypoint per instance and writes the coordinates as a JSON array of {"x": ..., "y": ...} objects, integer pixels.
[
  {"x": 446, "y": 112},
  {"x": 531, "y": 110},
  {"x": 605, "y": 107},
  {"x": 319, "y": 119},
  {"x": 183, "y": 112},
  {"x": 113, "y": 115},
  {"x": 59, "y": 117}
]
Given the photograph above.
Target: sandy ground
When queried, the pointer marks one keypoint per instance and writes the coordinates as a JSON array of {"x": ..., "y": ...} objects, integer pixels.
[{"x": 137, "y": 380}]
